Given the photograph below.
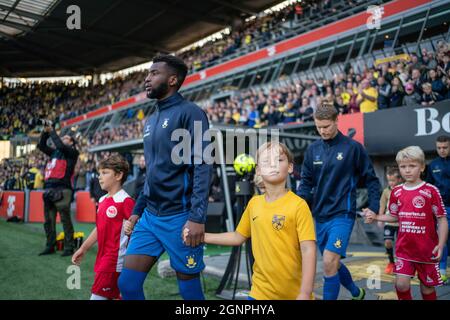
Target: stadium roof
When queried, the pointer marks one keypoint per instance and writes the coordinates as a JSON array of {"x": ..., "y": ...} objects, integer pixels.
[{"x": 114, "y": 34}]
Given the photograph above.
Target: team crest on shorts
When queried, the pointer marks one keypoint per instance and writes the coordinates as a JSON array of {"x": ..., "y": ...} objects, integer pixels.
[
  {"x": 111, "y": 212},
  {"x": 399, "y": 265},
  {"x": 278, "y": 221},
  {"x": 338, "y": 243},
  {"x": 340, "y": 156},
  {"x": 190, "y": 262}
]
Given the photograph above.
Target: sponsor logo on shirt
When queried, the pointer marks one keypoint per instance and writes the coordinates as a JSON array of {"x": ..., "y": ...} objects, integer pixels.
[
  {"x": 111, "y": 212},
  {"x": 418, "y": 202},
  {"x": 412, "y": 214},
  {"x": 426, "y": 193},
  {"x": 278, "y": 221}
]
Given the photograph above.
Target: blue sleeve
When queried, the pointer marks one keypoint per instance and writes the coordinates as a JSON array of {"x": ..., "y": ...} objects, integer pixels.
[
  {"x": 141, "y": 204},
  {"x": 430, "y": 177},
  {"x": 197, "y": 120},
  {"x": 368, "y": 176},
  {"x": 306, "y": 182}
]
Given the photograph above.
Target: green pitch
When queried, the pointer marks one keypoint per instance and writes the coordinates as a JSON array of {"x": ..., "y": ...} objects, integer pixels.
[{"x": 25, "y": 275}]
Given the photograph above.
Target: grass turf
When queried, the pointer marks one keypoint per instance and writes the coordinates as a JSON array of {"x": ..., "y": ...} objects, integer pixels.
[{"x": 25, "y": 275}]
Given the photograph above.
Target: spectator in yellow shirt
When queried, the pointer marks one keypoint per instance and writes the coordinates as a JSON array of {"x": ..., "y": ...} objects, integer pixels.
[{"x": 367, "y": 97}]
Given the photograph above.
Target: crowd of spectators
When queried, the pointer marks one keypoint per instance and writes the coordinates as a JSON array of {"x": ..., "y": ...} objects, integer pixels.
[
  {"x": 27, "y": 171},
  {"x": 23, "y": 106},
  {"x": 259, "y": 32},
  {"x": 123, "y": 132},
  {"x": 421, "y": 80}
]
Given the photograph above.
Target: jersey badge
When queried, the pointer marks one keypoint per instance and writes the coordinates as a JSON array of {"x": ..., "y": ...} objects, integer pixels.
[
  {"x": 338, "y": 243},
  {"x": 190, "y": 262},
  {"x": 278, "y": 221}
]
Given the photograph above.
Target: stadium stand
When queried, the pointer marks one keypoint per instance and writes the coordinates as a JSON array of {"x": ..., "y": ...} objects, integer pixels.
[
  {"x": 267, "y": 29},
  {"x": 292, "y": 20},
  {"x": 284, "y": 93}
]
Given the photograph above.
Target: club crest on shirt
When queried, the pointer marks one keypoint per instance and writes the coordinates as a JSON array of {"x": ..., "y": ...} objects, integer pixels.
[
  {"x": 340, "y": 156},
  {"x": 338, "y": 243},
  {"x": 190, "y": 262},
  {"x": 418, "y": 202},
  {"x": 278, "y": 221},
  {"x": 165, "y": 123},
  {"x": 111, "y": 212}
]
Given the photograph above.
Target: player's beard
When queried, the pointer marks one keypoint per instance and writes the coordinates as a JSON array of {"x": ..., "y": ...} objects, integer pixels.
[{"x": 158, "y": 92}]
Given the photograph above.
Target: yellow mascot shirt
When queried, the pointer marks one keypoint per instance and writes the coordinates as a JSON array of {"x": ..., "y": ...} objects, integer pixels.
[{"x": 276, "y": 230}]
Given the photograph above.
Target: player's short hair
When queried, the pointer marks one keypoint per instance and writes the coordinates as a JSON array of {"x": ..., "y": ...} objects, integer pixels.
[
  {"x": 443, "y": 139},
  {"x": 284, "y": 150},
  {"x": 413, "y": 153},
  {"x": 118, "y": 164},
  {"x": 393, "y": 171},
  {"x": 175, "y": 64},
  {"x": 326, "y": 111}
]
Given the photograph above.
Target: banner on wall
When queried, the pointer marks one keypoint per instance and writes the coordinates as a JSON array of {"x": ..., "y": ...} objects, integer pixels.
[{"x": 388, "y": 131}]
